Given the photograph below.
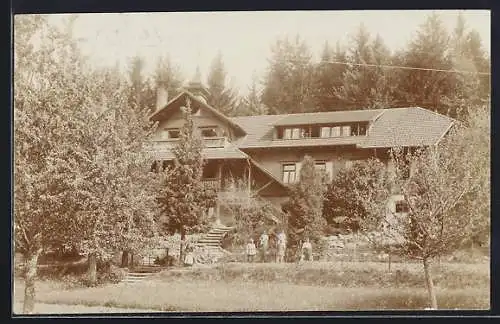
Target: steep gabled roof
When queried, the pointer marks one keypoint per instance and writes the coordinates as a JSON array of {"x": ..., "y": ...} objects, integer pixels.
[{"x": 157, "y": 115}]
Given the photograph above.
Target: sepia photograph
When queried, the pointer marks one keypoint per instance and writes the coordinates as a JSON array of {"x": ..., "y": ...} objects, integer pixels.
[{"x": 251, "y": 161}]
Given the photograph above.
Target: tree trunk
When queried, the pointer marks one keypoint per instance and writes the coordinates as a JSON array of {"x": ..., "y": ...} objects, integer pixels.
[
  {"x": 132, "y": 265},
  {"x": 430, "y": 284},
  {"x": 92, "y": 269},
  {"x": 181, "y": 251},
  {"x": 30, "y": 267},
  {"x": 124, "y": 259}
]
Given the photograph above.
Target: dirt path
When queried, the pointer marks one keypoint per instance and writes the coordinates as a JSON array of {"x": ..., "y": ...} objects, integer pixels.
[{"x": 53, "y": 309}]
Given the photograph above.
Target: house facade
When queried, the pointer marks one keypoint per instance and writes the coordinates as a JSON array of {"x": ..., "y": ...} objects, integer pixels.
[{"x": 267, "y": 150}]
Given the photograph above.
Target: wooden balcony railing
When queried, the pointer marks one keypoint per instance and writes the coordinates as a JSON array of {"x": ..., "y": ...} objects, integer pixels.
[
  {"x": 212, "y": 184},
  {"x": 211, "y": 142},
  {"x": 215, "y": 141}
]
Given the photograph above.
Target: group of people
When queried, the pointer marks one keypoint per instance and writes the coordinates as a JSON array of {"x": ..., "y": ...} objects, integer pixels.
[{"x": 280, "y": 245}]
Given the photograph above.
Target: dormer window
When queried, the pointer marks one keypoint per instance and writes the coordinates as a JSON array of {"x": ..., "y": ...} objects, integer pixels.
[
  {"x": 294, "y": 133},
  {"x": 171, "y": 133},
  {"x": 209, "y": 132},
  {"x": 321, "y": 131}
]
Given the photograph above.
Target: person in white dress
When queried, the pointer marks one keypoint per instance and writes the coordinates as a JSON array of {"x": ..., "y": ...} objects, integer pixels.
[
  {"x": 251, "y": 250},
  {"x": 281, "y": 247},
  {"x": 307, "y": 250}
]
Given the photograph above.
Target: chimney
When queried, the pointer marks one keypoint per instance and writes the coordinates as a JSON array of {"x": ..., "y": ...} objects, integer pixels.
[{"x": 161, "y": 97}]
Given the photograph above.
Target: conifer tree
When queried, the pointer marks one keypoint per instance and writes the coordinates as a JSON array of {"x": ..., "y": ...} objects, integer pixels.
[
  {"x": 222, "y": 97},
  {"x": 306, "y": 204},
  {"x": 183, "y": 198}
]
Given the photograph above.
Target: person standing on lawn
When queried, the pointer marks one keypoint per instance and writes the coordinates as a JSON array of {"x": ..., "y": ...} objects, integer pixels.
[
  {"x": 307, "y": 250},
  {"x": 264, "y": 245},
  {"x": 281, "y": 247},
  {"x": 251, "y": 251}
]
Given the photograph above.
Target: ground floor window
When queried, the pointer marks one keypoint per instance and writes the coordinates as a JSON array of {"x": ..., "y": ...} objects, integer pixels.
[{"x": 289, "y": 173}]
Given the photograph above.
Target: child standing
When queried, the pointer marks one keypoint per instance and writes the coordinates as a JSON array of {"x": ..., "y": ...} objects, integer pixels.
[
  {"x": 307, "y": 250},
  {"x": 251, "y": 251}
]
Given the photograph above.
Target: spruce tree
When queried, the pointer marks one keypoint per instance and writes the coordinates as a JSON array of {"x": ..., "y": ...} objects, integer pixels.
[{"x": 183, "y": 198}]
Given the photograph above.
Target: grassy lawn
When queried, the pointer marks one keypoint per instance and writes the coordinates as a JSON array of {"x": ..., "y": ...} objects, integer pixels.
[{"x": 242, "y": 287}]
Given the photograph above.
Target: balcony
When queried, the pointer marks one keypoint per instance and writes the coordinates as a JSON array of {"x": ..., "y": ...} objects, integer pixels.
[
  {"x": 210, "y": 142},
  {"x": 214, "y": 142},
  {"x": 213, "y": 183}
]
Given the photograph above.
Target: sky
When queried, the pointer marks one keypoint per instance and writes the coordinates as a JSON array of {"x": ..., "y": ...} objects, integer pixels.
[{"x": 193, "y": 39}]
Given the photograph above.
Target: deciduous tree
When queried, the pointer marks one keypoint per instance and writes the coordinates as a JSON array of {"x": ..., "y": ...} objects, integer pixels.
[{"x": 443, "y": 188}]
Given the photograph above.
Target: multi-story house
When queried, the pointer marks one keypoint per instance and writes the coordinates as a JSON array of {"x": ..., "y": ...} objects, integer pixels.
[{"x": 268, "y": 149}]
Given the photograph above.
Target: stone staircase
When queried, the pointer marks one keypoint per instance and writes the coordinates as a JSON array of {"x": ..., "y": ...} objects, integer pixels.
[
  {"x": 210, "y": 243},
  {"x": 141, "y": 273}
]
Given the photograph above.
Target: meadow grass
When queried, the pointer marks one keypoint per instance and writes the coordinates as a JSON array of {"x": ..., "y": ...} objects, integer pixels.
[
  {"x": 210, "y": 296},
  {"x": 342, "y": 274},
  {"x": 282, "y": 287}
]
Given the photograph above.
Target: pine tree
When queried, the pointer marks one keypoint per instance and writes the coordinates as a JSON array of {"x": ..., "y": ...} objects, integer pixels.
[
  {"x": 183, "y": 198},
  {"x": 306, "y": 204},
  {"x": 328, "y": 78},
  {"x": 428, "y": 50},
  {"x": 367, "y": 86},
  {"x": 222, "y": 97},
  {"x": 251, "y": 104},
  {"x": 288, "y": 86}
]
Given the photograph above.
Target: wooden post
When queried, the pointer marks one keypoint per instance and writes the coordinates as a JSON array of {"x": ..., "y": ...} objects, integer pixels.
[{"x": 249, "y": 176}]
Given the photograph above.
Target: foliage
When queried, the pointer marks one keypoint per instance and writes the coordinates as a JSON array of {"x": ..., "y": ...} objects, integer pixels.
[
  {"x": 328, "y": 78},
  {"x": 306, "y": 204},
  {"x": 251, "y": 213},
  {"x": 251, "y": 104},
  {"x": 288, "y": 83},
  {"x": 341, "y": 208},
  {"x": 80, "y": 176},
  {"x": 222, "y": 97},
  {"x": 445, "y": 195},
  {"x": 368, "y": 87},
  {"x": 168, "y": 76},
  {"x": 183, "y": 197}
]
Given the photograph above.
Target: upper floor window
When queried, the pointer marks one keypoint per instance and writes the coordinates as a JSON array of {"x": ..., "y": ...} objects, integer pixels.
[
  {"x": 346, "y": 130},
  {"x": 289, "y": 173},
  {"x": 401, "y": 206},
  {"x": 209, "y": 132},
  {"x": 334, "y": 131},
  {"x": 292, "y": 133},
  {"x": 171, "y": 133},
  {"x": 317, "y": 131}
]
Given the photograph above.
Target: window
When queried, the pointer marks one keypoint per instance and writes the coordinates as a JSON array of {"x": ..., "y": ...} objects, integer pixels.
[
  {"x": 209, "y": 132},
  {"x": 293, "y": 133},
  {"x": 172, "y": 133},
  {"x": 346, "y": 130},
  {"x": 349, "y": 164},
  {"x": 362, "y": 129},
  {"x": 325, "y": 131},
  {"x": 336, "y": 131},
  {"x": 289, "y": 173},
  {"x": 401, "y": 206},
  {"x": 320, "y": 166}
]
